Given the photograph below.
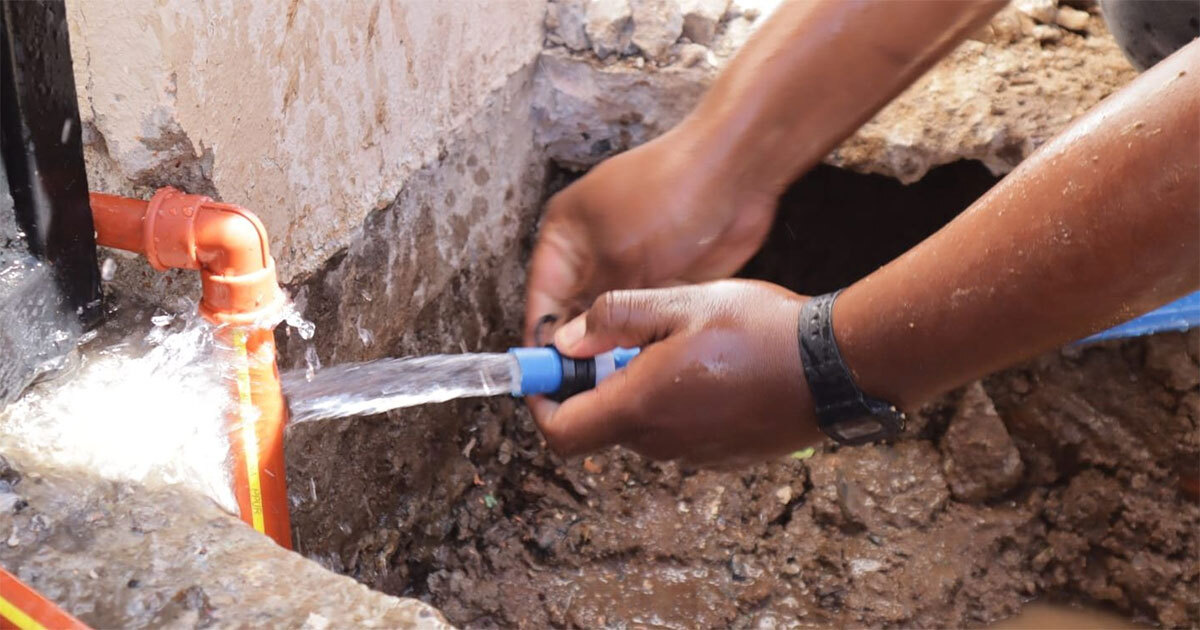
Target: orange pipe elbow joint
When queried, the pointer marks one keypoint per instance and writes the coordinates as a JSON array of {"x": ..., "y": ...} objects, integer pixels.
[
  {"x": 226, "y": 243},
  {"x": 241, "y": 293}
]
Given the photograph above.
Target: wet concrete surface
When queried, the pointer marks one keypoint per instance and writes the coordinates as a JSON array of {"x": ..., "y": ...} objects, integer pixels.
[{"x": 124, "y": 555}]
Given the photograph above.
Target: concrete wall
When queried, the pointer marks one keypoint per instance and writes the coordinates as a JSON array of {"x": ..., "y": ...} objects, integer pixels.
[{"x": 310, "y": 113}]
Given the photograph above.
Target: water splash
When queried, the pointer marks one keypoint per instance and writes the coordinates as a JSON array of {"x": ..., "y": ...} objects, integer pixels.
[
  {"x": 143, "y": 406},
  {"x": 373, "y": 387}
]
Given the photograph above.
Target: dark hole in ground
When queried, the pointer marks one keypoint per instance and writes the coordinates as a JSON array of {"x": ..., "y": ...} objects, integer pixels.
[{"x": 835, "y": 226}]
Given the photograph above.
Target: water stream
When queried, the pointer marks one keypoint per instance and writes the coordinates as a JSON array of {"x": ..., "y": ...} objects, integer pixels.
[{"x": 373, "y": 387}]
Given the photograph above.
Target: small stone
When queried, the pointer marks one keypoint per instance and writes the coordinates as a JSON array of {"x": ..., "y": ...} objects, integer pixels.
[
  {"x": 566, "y": 23},
  {"x": 743, "y": 567},
  {"x": 1041, "y": 10},
  {"x": 315, "y": 621},
  {"x": 784, "y": 494},
  {"x": 700, "y": 19},
  {"x": 1168, "y": 360},
  {"x": 692, "y": 55},
  {"x": 1073, "y": 19},
  {"x": 981, "y": 462},
  {"x": 609, "y": 26},
  {"x": 657, "y": 24},
  {"x": 591, "y": 466},
  {"x": 1045, "y": 33}
]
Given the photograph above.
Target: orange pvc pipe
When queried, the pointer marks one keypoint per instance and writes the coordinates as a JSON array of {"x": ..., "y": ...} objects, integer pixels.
[
  {"x": 24, "y": 608},
  {"x": 118, "y": 221},
  {"x": 241, "y": 294},
  {"x": 256, "y": 427}
]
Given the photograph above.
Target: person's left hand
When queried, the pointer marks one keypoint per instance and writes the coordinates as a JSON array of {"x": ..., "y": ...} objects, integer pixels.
[{"x": 718, "y": 381}]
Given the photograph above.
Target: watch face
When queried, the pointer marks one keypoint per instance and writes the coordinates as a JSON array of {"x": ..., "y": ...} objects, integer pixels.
[{"x": 859, "y": 430}]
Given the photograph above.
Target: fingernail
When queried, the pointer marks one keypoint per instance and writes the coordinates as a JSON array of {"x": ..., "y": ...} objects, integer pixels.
[
  {"x": 539, "y": 330},
  {"x": 570, "y": 334}
]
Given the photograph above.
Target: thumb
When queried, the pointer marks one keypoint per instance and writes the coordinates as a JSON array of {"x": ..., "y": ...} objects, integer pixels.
[
  {"x": 562, "y": 266},
  {"x": 624, "y": 318}
]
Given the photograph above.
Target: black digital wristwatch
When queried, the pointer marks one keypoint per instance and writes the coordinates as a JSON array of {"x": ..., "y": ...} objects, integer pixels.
[{"x": 844, "y": 412}]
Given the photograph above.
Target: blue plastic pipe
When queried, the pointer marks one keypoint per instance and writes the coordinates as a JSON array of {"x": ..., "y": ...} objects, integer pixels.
[{"x": 1181, "y": 314}]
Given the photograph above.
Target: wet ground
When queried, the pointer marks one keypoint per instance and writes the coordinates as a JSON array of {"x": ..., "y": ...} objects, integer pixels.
[
  {"x": 1058, "y": 480},
  {"x": 941, "y": 529}
]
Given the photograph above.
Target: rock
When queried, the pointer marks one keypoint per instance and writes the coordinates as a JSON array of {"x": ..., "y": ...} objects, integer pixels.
[
  {"x": 566, "y": 22},
  {"x": 877, "y": 487},
  {"x": 657, "y": 24},
  {"x": 1167, "y": 359},
  {"x": 1008, "y": 26},
  {"x": 1041, "y": 10},
  {"x": 1045, "y": 33},
  {"x": 609, "y": 26},
  {"x": 1073, "y": 19},
  {"x": 700, "y": 19},
  {"x": 692, "y": 55},
  {"x": 981, "y": 462}
]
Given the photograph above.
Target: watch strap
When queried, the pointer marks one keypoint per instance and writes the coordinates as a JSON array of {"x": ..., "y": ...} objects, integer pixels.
[{"x": 837, "y": 399}]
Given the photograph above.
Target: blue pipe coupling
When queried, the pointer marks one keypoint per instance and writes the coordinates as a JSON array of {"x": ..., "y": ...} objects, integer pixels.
[{"x": 546, "y": 372}]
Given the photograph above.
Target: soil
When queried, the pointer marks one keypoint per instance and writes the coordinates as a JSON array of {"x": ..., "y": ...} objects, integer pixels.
[
  {"x": 1057, "y": 480},
  {"x": 870, "y": 536}
]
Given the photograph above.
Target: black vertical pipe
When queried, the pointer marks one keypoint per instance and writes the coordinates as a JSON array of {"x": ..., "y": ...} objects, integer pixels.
[{"x": 41, "y": 141}]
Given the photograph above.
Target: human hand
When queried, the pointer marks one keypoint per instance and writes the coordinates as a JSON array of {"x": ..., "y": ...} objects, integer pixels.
[
  {"x": 666, "y": 213},
  {"x": 718, "y": 381}
]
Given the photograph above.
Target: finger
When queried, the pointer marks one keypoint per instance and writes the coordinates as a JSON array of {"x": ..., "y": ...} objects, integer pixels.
[
  {"x": 542, "y": 408},
  {"x": 557, "y": 269},
  {"x": 597, "y": 418},
  {"x": 624, "y": 318}
]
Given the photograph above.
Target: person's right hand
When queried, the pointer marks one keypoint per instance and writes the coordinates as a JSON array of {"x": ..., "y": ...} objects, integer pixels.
[
  {"x": 669, "y": 212},
  {"x": 719, "y": 380}
]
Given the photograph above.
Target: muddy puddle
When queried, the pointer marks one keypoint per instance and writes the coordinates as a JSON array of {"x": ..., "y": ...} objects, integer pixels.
[{"x": 1042, "y": 616}]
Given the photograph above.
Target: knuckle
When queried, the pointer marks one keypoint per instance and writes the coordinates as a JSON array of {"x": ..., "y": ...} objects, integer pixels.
[{"x": 600, "y": 316}]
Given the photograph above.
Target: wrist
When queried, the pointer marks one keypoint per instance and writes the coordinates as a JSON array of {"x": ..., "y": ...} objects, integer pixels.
[
  {"x": 733, "y": 144},
  {"x": 843, "y": 410},
  {"x": 884, "y": 348}
]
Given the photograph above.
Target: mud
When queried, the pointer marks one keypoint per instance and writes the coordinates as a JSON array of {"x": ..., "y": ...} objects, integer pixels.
[{"x": 1058, "y": 481}]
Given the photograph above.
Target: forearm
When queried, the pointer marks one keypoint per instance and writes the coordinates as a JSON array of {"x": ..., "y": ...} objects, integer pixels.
[
  {"x": 815, "y": 72},
  {"x": 1100, "y": 225}
]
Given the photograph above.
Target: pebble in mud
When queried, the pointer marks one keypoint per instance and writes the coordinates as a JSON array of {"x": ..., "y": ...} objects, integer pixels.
[
  {"x": 980, "y": 460},
  {"x": 1041, "y": 10},
  {"x": 1073, "y": 19}
]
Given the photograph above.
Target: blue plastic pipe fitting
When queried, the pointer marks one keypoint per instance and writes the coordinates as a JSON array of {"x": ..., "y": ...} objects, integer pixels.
[{"x": 546, "y": 372}]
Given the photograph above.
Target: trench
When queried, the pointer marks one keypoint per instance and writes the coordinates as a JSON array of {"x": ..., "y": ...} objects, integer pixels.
[{"x": 461, "y": 506}]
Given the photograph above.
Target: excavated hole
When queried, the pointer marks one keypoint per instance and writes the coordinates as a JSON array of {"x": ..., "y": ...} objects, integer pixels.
[{"x": 461, "y": 506}]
